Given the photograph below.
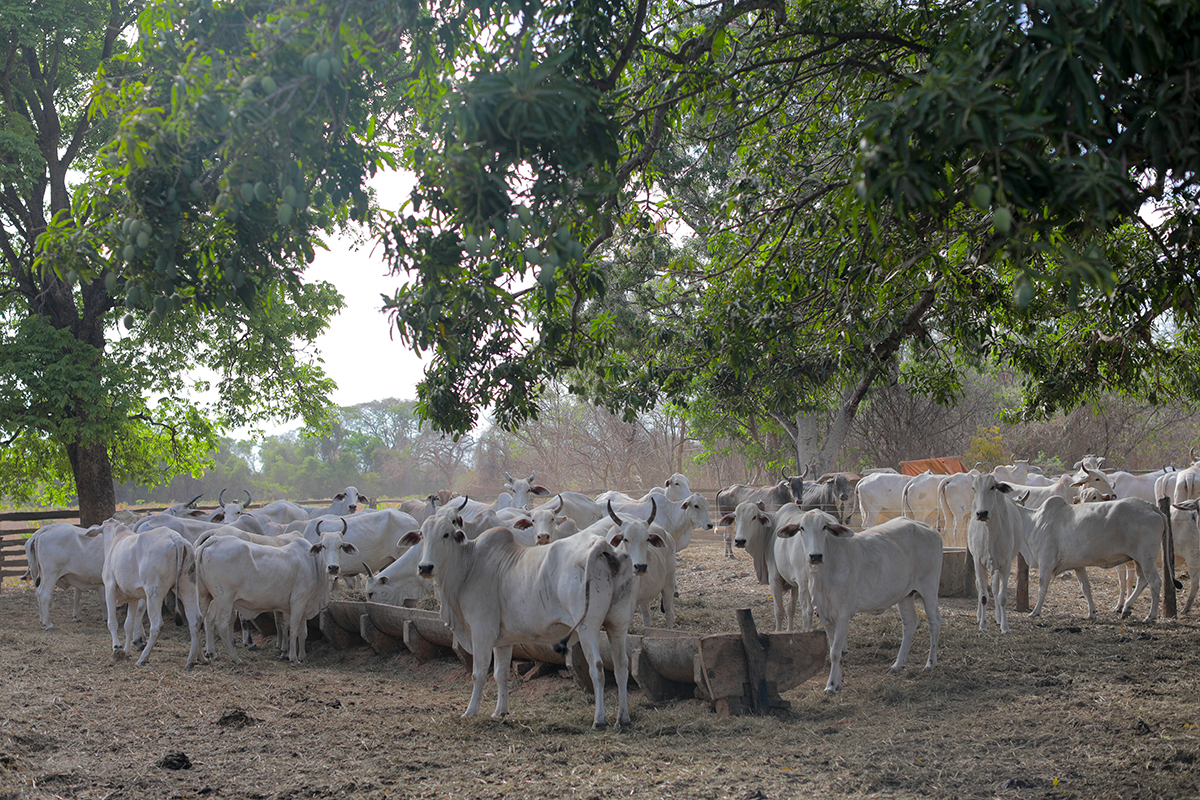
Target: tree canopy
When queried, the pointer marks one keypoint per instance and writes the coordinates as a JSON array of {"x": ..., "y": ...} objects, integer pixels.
[
  {"x": 86, "y": 399},
  {"x": 875, "y": 191}
]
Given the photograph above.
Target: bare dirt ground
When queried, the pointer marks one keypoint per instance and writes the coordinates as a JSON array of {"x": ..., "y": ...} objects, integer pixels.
[{"x": 1060, "y": 708}]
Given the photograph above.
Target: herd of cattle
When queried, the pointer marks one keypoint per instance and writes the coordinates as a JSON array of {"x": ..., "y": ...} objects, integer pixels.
[{"x": 509, "y": 572}]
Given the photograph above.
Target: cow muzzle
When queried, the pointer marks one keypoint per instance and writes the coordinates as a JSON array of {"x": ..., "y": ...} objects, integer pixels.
[
  {"x": 640, "y": 568},
  {"x": 739, "y": 543},
  {"x": 981, "y": 515},
  {"x": 425, "y": 570},
  {"x": 816, "y": 558},
  {"x": 332, "y": 569}
]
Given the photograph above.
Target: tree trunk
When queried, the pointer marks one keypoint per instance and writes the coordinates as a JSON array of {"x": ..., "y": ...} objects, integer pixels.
[{"x": 93, "y": 482}]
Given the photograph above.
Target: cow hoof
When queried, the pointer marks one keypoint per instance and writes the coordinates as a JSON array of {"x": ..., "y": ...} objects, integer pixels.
[
  {"x": 599, "y": 726},
  {"x": 49, "y": 627},
  {"x": 894, "y": 670},
  {"x": 189, "y": 666},
  {"x": 119, "y": 654},
  {"x": 830, "y": 690},
  {"x": 142, "y": 663}
]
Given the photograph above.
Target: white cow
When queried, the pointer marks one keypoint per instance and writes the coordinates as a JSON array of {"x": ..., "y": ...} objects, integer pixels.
[
  {"x": 1072, "y": 537},
  {"x": 144, "y": 567},
  {"x": 919, "y": 499},
  {"x": 252, "y": 579},
  {"x": 792, "y": 570},
  {"x": 956, "y": 496},
  {"x": 676, "y": 489},
  {"x": 579, "y": 507},
  {"x": 754, "y": 532},
  {"x": 677, "y": 518},
  {"x": 1016, "y": 472},
  {"x": 521, "y": 489},
  {"x": 872, "y": 571},
  {"x": 994, "y": 538},
  {"x": 399, "y": 583},
  {"x": 420, "y": 510},
  {"x": 880, "y": 496},
  {"x": 374, "y": 534},
  {"x": 1066, "y": 487},
  {"x": 651, "y": 550},
  {"x": 497, "y": 593},
  {"x": 63, "y": 554},
  {"x": 1126, "y": 484}
]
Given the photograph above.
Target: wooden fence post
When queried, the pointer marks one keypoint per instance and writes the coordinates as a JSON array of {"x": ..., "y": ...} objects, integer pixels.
[
  {"x": 1022, "y": 584},
  {"x": 1170, "y": 609}
]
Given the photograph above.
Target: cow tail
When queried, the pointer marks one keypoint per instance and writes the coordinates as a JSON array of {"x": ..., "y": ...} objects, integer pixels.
[
  {"x": 905, "y": 506},
  {"x": 35, "y": 566},
  {"x": 610, "y": 561}
]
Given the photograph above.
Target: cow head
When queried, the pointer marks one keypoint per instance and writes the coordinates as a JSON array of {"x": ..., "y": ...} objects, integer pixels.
[
  {"x": 440, "y": 536},
  {"x": 677, "y": 487},
  {"x": 522, "y": 488},
  {"x": 333, "y": 546},
  {"x": 989, "y": 494},
  {"x": 814, "y": 529},
  {"x": 1094, "y": 479},
  {"x": 635, "y": 536}
]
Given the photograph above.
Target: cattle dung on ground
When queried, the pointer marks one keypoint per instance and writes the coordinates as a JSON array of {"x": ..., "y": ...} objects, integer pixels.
[{"x": 1059, "y": 707}]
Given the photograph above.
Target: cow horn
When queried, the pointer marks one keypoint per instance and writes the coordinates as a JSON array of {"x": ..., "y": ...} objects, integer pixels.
[
  {"x": 653, "y": 511},
  {"x": 345, "y": 526},
  {"x": 613, "y": 514},
  {"x": 507, "y": 476},
  {"x": 466, "y": 499},
  {"x": 192, "y": 503},
  {"x": 561, "y": 503},
  {"x": 367, "y": 569},
  {"x": 532, "y": 475},
  {"x": 220, "y": 498},
  {"x": 248, "y": 501},
  {"x": 804, "y": 474},
  {"x": 1192, "y": 450}
]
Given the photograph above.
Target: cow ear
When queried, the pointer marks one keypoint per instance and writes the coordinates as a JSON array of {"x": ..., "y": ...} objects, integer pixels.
[
  {"x": 315, "y": 549},
  {"x": 412, "y": 537},
  {"x": 788, "y": 531},
  {"x": 559, "y": 520},
  {"x": 540, "y": 491},
  {"x": 383, "y": 579},
  {"x": 1004, "y": 488},
  {"x": 340, "y": 496},
  {"x": 219, "y": 517},
  {"x": 761, "y": 506},
  {"x": 522, "y": 523},
  {"x": 1076, "y": 501},
  {"x": 616, "y": 538},
  {"x": 349, "y": 549},
  {"x": 458, "y": 535},
  {"x": 655, "y": 540},
  {"x": 726, "y": 520},
  {"x": 838, "y": 529}
]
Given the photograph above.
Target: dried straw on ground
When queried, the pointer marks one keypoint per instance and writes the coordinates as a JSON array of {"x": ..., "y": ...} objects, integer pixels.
[{"x": 1061, "y": 708}]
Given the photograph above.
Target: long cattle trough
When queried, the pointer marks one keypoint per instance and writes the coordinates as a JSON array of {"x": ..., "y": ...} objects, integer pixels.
[{"x": 736, "y": 673}]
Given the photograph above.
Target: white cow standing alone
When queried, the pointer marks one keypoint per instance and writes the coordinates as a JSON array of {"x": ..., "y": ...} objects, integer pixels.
[
  {"x": 62, "y": 553},
  {"x": 145, "y": 566},
  {"x": 871, "y": 571},
  {"x": 496, "y": 593}
]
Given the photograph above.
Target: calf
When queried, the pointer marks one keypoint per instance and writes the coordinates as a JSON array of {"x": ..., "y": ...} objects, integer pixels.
[
  {"x": 994, "y": 538},
  {"x": 872, "y": 571}
]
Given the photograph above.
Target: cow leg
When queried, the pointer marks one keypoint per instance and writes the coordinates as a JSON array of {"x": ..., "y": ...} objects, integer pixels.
[
  {"x": 908, "y": 616},
  {"x": 502, "y": 658},
  {"x": 75, "y": 605},
  {"x": 154, "y": 610},
  {"x": 1147, "y": 576},
  {"x": 934, "y": 616},
  {"x": 589, "y": 642},
  {"x": 668, "y": 604},
  {"x": 804, "y": 592},
  {"x": 1000, "y": 595},
  {"x": 47, "y": 586},
  {"x": 1044, "y": 578},
  {"x": 777, "y": 592},
  {"x": 644, "y": 608},
  {"x": 110, "y": 601},
  {"x": 981, "y": 590},
  {"x": 1086, "y": 586},
  {"x": 1124, "y": 585},
  {"x": 191, "y": 610},
  {"x": 220, "y": 617},
  {"x": 480, "y": 647},
  {"x": 836, "y": 631},
  {"x": 617, "y": 646}
]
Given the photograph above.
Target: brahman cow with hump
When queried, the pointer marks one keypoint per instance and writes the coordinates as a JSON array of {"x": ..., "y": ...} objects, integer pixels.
[
  {"x": 496, "y": 593},
  {"x": 252, "y": 579},
  {"x": 144, "y": 566},
  {"x": 1072, "y": 537},
  {"x": 880, "y": 496},
  {"x": 870, "y": 571},
  {"x": 791, "y": 575}
]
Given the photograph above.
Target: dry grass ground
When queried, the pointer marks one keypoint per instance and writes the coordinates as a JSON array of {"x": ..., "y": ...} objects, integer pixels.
[{"x": 1060, "y": 708}]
